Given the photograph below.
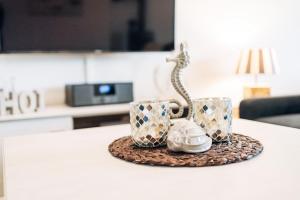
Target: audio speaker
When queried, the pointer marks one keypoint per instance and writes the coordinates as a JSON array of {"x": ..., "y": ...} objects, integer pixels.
[{"x": 98, "y": 94}]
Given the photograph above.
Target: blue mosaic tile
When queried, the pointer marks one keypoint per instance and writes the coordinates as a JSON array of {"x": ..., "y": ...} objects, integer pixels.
[{"x": 146, "y": 119}]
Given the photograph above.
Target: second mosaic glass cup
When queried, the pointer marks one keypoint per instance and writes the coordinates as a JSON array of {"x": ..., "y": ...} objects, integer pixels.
[
  {"x": 150, "y": 122},
  {"x": 214, "y": 116}
]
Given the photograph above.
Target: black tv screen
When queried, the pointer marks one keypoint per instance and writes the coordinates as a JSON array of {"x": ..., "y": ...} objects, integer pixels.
[{"x": 86, "y": 25}]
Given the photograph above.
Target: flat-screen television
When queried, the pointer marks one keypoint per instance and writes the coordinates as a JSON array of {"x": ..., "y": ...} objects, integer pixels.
[{"x": 86, "y": 25}]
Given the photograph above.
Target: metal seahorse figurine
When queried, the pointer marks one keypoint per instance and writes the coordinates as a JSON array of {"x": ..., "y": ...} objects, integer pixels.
[
  {"x": 185, "y": 135},
  {"x": 182, "y": 61}
]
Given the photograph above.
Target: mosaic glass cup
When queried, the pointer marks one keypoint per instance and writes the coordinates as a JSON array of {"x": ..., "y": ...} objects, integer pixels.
[
  {"x": 150, "y": 122},
  {"x": 214, "y": 116}
]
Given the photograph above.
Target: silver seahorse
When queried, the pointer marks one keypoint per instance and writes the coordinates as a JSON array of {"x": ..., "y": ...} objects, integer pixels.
[{"x": 182, "y": 61}]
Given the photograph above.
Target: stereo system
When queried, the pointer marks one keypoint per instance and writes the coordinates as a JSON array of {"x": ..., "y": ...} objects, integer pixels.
[{"x": 98, "y": 94}]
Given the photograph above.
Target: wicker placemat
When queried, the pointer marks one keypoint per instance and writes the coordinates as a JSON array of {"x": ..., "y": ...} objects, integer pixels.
[{"x": 241, "y": 148}]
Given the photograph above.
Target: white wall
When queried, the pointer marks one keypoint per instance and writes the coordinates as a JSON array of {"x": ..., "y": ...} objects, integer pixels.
[{"x": 215, "y": 32}]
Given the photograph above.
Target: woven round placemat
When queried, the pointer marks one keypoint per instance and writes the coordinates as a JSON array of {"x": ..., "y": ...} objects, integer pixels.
[{"x": 241, "y": 148}]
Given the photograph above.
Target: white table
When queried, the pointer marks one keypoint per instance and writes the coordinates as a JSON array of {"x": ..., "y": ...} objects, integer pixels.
[
  {"x": 52, "y": 119},
  {"x": 76, "y": 165}
]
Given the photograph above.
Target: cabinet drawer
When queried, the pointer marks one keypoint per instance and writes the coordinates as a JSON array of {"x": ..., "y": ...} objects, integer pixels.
[{"x": 32, "y": 126}]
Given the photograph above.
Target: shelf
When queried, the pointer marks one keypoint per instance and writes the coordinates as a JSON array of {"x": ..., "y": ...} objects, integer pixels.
[{"x": 75, "y": 112}]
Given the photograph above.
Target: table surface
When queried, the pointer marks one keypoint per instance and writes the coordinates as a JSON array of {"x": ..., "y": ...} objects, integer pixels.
[{"x": 76, "y": 165}]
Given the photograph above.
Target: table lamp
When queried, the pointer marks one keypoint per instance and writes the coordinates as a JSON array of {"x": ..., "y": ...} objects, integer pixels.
[{"x": 259, "y": 61}]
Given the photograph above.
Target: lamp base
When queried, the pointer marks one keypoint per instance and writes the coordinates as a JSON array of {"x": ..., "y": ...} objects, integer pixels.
[{"x": 256, "y": 92}]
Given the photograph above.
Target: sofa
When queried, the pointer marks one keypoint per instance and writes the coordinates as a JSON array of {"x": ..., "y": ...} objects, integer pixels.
[{"x": 284, "y": 111}]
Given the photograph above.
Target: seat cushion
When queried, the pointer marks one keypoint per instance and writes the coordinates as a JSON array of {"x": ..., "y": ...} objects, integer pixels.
[{"x": 291, "y": 120}]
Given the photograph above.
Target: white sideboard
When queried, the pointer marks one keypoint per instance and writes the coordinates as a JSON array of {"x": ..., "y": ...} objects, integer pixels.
[{"x": 54, "y": 118}]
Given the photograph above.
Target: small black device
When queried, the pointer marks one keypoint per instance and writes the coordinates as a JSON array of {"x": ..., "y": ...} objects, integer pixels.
[{"x": 98, "y": 94}]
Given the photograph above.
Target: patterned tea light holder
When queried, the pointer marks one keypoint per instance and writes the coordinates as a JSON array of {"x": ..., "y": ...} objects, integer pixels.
[
  {"x": 150, "y": 122},
  {"x": 214, "y": 116}
]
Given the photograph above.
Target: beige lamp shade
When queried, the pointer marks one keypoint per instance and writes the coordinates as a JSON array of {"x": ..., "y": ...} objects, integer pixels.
[{"x": 258, "y": 61}]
